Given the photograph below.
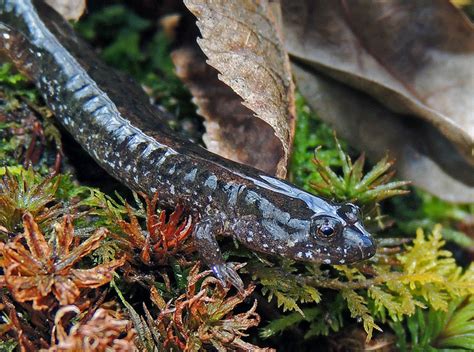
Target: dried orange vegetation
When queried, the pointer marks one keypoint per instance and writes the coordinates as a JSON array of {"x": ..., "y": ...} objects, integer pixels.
[
  {"x": 102, "y": 332},
  {"x": 163, "y": 238},
  {"x": 38, "y": 271},
  {"x": 205, "y": 317}
]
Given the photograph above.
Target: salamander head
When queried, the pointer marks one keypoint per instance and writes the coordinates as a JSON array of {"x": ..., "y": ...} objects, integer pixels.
[
  {"x": 335, "y": 238},
  {"x": 296, "y": 224}
]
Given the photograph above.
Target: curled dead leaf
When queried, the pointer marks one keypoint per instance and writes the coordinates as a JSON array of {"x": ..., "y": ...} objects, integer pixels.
[
  {"x": 69, "y": 9},
  {"x": 232, "y": 130},
  {"x": 242, "y": 41},
  {"x": 368, "y": 125},
  {"x": 416, "y": 58}
]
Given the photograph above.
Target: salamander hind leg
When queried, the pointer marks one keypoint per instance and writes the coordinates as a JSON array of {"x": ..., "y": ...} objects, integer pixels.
[{"x": 208, "y": 248}]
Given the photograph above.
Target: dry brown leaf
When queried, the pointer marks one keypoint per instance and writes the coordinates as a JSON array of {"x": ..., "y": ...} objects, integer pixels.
[
  {"x": 204, "y": 316},
  {"x": 422, "y": 154},
  {"x": 102, "y": 332},
  {"x": 415, "y": 57},
  {"x": 242, "y": 42},
  {"x": 69, "y": 9},
  {"x": 40, "y": 270},
  {"x": 232, "y": 131}
]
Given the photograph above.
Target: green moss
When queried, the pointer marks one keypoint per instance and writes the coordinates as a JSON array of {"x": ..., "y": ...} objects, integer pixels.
[
  {"x": 311, "y": 133},
  {"x": 120, "y": 32},
  {"x": 14, "y": 88}
]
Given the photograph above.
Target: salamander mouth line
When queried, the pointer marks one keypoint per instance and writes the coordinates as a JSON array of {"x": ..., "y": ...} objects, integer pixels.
[{"x": 362, "y": 254}]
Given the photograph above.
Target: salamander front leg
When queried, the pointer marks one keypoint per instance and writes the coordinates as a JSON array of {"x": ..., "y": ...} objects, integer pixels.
[{"x": 205, "y": 240}]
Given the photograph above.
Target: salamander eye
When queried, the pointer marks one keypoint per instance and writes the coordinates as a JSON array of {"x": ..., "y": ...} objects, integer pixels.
[
  {"x": 326, "y": 227},
  {"x": 325, "y": 230},
  {"x": 349, "y": 212}
]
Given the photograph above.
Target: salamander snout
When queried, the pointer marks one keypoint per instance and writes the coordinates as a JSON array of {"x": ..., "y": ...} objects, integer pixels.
[{"x": 359, "y": 244}]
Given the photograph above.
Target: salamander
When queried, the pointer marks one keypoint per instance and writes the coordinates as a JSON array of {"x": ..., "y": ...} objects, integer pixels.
[{"x": 111, "y": 118}]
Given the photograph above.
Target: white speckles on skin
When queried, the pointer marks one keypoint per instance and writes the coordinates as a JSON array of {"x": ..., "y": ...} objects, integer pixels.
[
  {"x": 232, "y": 191},
  {"x": 191, "y": 175},
  {"x": 39, "y": 54},
  {"x": 318, "y": 250},
  {"x": 249, "y": 239},
  {"x": 211, "y": 182},
  {"x": 264, "y": 245},
  {"x": 67, "y": 121},
  {"x": 290, "y": 244},
  {"x": 280, "y": 247},
  {"x": 148, "y": 150},
  {"x": 153, "y": 189},
  {"x": 345, "y": 251},
  {"x": 327, "y": 261},
  {"x": 299, "y": 254},
  {"x": 172, "y": 170},
  {"x": 277, "y": 231},
  {"x": 99, "y": 111},
  {"x": 338, "y": 249},
  {"x": 164, "y": 157},
  {"x": 6, "y": 35},
  {"x": 134, "y": 142},
  {"x": 342, "y": 261},
  {"x": 82, "y": 92},
  {"x": 110, "y": 163},
  {"x": 92, "y": 104},
  {"x": 309, "y": 255},
  {"x": 172, "y": 191},
  {"x": 127, "y": 168},
  {"x": 74, "y": 82}
]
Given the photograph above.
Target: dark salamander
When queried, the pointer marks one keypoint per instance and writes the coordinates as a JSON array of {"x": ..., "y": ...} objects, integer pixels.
[{"x": 110, "y": 116}]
